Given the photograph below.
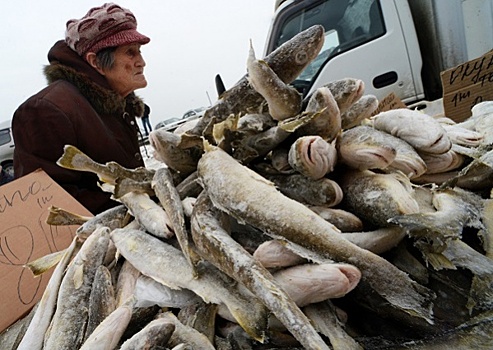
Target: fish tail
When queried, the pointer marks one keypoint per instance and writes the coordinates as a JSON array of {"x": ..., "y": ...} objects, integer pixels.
[
  {"x": 74, "y": 159},
  {"x": 253, "y": 319}
]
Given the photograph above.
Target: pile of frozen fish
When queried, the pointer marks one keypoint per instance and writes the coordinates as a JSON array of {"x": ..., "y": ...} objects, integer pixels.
[{"x": 282, "y": 223}]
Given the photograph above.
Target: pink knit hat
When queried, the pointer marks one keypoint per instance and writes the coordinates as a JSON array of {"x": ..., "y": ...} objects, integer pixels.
[{"x": 104, "y": 26}]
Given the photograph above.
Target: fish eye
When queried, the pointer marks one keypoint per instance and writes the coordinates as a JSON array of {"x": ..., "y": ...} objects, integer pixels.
[{"x": 301, "y": 57}]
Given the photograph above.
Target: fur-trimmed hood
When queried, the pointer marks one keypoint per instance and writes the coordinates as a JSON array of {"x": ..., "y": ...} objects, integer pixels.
[{"x": 65, "y": 64}]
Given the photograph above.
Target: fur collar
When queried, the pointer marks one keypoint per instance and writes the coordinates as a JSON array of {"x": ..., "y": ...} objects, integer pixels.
[{"x": 103, "y": 100}]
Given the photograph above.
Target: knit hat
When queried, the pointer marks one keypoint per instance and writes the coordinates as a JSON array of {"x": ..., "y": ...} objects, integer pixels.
[{"x": 104, "y": 26}]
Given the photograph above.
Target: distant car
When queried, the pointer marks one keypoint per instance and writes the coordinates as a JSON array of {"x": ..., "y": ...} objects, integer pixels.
[
  {"x": 187, "y": 116},
  {"x": 163, "y": 123},
  {"x": 6, "y": 149},
  {"x": 194, "y": 113}
]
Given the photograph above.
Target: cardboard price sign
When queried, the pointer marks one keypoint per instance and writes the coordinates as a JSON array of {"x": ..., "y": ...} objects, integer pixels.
[
  {"x": 25, "y": 236},
  {"x": 389, "y": 102},
  {"x": 466, "y": 85}
]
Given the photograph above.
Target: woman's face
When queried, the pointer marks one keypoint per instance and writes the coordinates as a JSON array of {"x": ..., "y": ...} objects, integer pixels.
[{"x": 127, "y": 73}]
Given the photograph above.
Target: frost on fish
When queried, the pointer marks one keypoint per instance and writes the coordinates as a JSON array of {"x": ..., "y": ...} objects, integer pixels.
[
  {"x": 478, "y": 174},
  {"x": 283, "y": 100},
  {"x": 376, "y": 198},
  {"x": 153, "y": 335},
  {"x": 287, "y": 61},
  {"x": 167, "y": 150},
  {"x": 299, "y": 224},
  {"x": 102, "y": 300},
  {"x": 149, "y": 214},
  {"x": 247, "y": 147},
  {"x": 112, "y": 218},
  {"x": 312, "y": 156},
  {"x": 187, "y": 335},
  {"x": 346, "y": 92},
  {"x": 274, "y": 254},
  {"x": 455, "y": 210},
  {"x": 432, "y": 225},
  {"x": 217, "y": 246},
  {"x": 441, "y": 163},
  {"x": 149, "y": 292},
  {"x": 418, "y": 129},
  {"x": 327, "y": 124},
  {"x": 35, "y": 334},
  {"x": 108, "y": 333},
  {"x": 323, "y": 191},
  {"x": 74, "y": 159},
  {"x": 325, "y": 318},
  {"x": 73, "y": 298},
  {"x": 364, "y": 147},
  {"x": 482, "y": 114},
  {"x": 313, "y": 283},
  {"x": 462, "y": 136},
  {"x": 169, "y": 198},
  {"x": 342, "y": 219},
  {"x": 156, "y": 259},
  {"x": 359, "y": 111}
]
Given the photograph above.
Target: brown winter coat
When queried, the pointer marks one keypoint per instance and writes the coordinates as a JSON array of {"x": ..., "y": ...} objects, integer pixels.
[{"x": 77, "y": 108}]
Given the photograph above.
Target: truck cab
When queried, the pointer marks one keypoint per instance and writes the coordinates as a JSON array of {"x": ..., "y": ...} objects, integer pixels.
[
  {"x": 371, "y": 40},
  {"x": 394, "y": 46}
]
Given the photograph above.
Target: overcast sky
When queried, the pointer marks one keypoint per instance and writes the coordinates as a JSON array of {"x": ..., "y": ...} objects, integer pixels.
[{"x": 191, "y": 42}]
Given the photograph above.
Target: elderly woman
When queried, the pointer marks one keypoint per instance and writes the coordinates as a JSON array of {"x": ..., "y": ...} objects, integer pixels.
[{"x": 89, "y": 103}]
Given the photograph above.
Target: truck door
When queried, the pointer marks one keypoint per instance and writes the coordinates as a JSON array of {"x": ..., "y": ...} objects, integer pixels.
[{"x": 371, "y": 40}]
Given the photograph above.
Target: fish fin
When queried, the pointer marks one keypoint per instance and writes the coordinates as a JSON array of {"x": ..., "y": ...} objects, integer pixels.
[
  {"x": 438, "y": 261},
  {"x": 219, "y": 129},
  {"x": 43, "y": 264},
  {"x": 61, "y": 217},
  {"x": 291, "y": 124},
  {"x": 220, "y": 87},
  {"x": 189, "y": 141},
  {"x": 207, "y": 146}
]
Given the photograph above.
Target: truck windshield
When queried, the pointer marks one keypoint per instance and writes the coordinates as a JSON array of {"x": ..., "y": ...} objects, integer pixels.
[{"x": 347, "y": 23}]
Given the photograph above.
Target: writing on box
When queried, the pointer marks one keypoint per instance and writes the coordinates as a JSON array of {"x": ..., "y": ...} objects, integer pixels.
[
  {"x": 467, "y": 85},
  {"x": 25, "y": 236}
]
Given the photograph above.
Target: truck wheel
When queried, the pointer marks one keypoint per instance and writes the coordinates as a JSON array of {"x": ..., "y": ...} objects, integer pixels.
[{"x": 8, "y": 169}]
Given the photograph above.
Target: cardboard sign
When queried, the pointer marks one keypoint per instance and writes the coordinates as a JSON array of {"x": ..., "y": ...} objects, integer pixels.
[
  {"x": 466, "y": 85},
  {"x": 391, "y": 101},
  {"x": 25, "y": 236}
]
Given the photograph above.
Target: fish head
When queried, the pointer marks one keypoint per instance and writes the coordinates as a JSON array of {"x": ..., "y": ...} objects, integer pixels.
[
  {"x": 295, "y": 54},
  {"x": 360, "y": 150},
  {"x": 312, "y": 156},
  {"x": 379, "y": 157},
  {"x": 163, "y": 142},
  {"x": 411, "y": 166},
  {"x": 346, "y": 92}
]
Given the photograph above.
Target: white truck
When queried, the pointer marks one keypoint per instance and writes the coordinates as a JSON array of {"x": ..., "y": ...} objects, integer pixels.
[
  {"x": 6, "y": 152},
  {"x": 394, "y": 46}
]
